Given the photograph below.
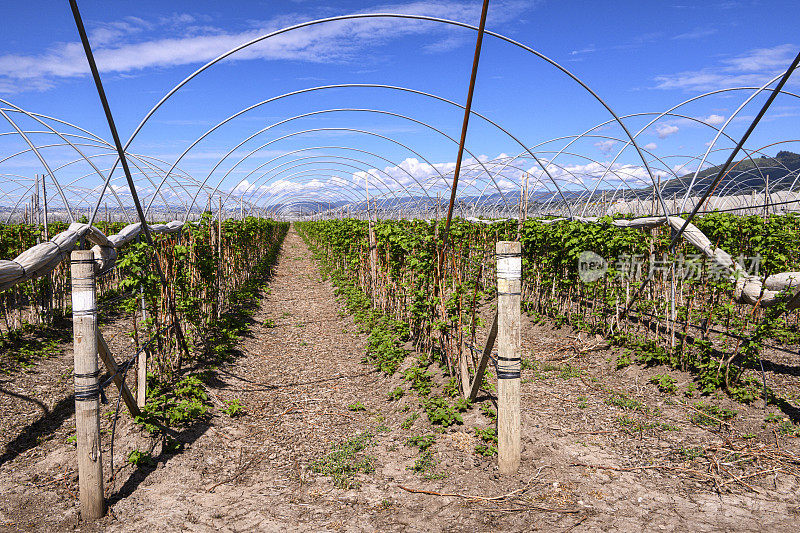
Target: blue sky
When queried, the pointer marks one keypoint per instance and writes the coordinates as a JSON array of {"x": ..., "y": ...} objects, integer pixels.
[{"x": 641, "y": 57}]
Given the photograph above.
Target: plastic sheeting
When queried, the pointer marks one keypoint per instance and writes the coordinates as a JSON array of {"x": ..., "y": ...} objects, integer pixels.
[{"x": 43, "y": 258}]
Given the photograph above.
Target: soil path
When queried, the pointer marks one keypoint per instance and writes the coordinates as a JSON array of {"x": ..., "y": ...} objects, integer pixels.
[{"x": 302, "y": 386}]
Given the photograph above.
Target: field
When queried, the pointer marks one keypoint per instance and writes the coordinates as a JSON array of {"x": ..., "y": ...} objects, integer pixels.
[
  {"x": 320, "y": 411},
  {"x": 421, "y": 266}
]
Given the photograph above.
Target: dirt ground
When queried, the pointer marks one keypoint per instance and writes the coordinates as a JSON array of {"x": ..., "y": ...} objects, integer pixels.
[{"x": 603, "y": 449}]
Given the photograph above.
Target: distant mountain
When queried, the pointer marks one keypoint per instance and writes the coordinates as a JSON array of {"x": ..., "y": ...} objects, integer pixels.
[{"x": 746, "y": 176}]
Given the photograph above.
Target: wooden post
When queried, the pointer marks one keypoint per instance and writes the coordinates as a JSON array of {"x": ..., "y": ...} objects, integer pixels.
[
  {"x": 220, "y": 267},
  {"x": 509, "y": 281},
  {"x": 477, "y": 381},
  {"x": 87, "y": 388},
  {"x": 527, "y": 196},
  {"x": 111, "y": 365},
  {"x": 44, "y": 201},
  {"x": 36, "y": 203},
  {"x": 141, "y": 360},
  {"x": 373, "y": 248}
]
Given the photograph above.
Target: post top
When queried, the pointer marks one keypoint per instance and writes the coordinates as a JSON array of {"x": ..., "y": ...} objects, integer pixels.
[
  {"x": 508, "y": 247},
  {"x": 82, "y": 254}
]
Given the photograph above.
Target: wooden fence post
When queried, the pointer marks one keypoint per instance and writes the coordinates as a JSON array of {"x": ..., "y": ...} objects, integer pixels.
[
  {"x": 141, "y": 360},
  {"x": 509, "y": 281},
  {"x": 87, "y": 387}
]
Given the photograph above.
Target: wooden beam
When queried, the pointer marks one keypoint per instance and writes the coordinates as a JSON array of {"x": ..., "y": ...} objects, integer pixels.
[
  {"x": 111, "y": 364},
  {"x": 487, "y": 351}
]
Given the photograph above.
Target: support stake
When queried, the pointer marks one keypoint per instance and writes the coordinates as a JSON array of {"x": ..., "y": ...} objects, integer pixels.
[
  {"x": 87, "y": 387},
  {"x": 509, "y": 281},
  {"x": 111, "y": 365},
  {"x": 487, "y": 351}
]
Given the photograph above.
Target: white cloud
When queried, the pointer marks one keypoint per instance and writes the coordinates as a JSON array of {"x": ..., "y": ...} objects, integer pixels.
[
  {"x": 650, "y": 146},
  {"x": 405, "y": 173},
  {"x": 121, "y": 190},
  {"x": 665, "y": 130},
  {"x": 242, "y": 187},
  {"x": 133, "y": 44},
  {"x": 605, "y": 146},
  {"x": 588, "y": 174},
  {"x": 714, "y": 120},
  {"x": 753, "y": 68},
  {"x": 451, "y": 42},
  {"x": 588, "y": 50},
  {"x": 697, "y": 33}
]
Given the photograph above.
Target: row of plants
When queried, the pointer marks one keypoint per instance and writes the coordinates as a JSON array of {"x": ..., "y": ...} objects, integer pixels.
[
  {"x": 684, "y": 318},
  {"x": 206, "y": 265},
  {"x": 34, "y": 313},
  {"x": 44, "y": 300},
  {"x": 410, "y": 279},
  {"x": 177, "y": 399},
  {"x": 217, "y": 274},
  {"x": 387, "y": 351}
]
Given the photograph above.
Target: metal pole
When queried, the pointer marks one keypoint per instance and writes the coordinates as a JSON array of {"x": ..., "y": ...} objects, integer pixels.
[
  {"x": 36, "y": 202},
  {"x": 467, "y": 110},
  {"x": 123, "y": 160},
  {"x": 721, "y": 174}
]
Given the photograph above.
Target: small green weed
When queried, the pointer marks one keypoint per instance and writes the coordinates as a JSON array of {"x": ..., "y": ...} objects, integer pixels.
[
  {"x": 623, "y": 401},
  {"x": 181, "y": 404},
  {"x": 450, "y": 388},
  {"x": 665, "y": 383},
  {"x": 408, "y": 422},
  {"x": 358, "y": 406},
  {"x": 396, "y": 393},
  {"x": 489, "y": 412},
  {"x": 423, "y": 442},
  {"x": 569, "y": 372},
  {"x": 624, "y": 359},
  {"x": 489, "y": 446},
  {"x": 233, "y": 408},
  {"x": 784, "y": 425},
  {"x": 691, "y": 453},
  {"x": 420, "y": 380},
  {"x": 425, "y": 464},
  {"x": 711, "y": 415},
  {"x": 139, "y": 458},
  {"x": 440, "y": 412},
  {"x": 635, "y": 425},
  {"x": 345, "y": 461}
]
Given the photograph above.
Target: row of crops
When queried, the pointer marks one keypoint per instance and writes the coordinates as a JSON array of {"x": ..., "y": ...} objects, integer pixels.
[
  {"x": 207, "y": 266},
  {"x": 684, "y": 317}
]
